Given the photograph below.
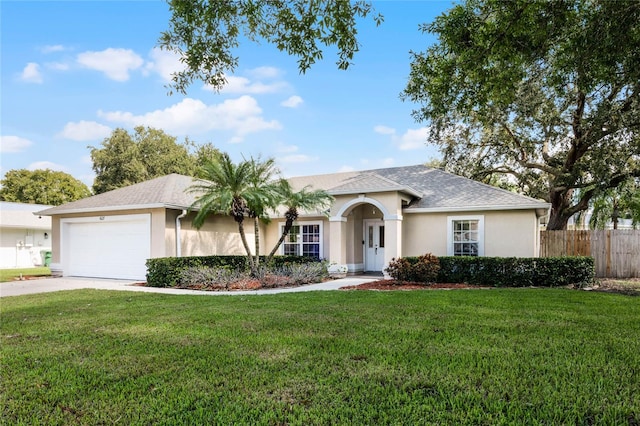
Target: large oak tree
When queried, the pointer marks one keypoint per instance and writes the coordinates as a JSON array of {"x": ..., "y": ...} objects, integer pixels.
[
  {"x": 42, "y": 186},
  {"x": 546, "y": 92},
  {"x": 205, "y": 34},
  {"x": 124, "y": 158}
]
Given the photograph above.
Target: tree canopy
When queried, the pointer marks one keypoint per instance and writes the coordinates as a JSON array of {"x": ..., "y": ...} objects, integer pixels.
[
  {"x": 41, "y": 187},
  {"x": 124, "y": 159},
  {"x": 547, "y": 93},
  {"x": 206, "y": 33}
]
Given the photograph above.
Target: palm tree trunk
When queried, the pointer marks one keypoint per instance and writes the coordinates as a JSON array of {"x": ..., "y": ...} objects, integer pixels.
[
  {"x": 246, "y": 245},
  {"x": 285, "y": 231},
  {"x": 256, "y": 229}
]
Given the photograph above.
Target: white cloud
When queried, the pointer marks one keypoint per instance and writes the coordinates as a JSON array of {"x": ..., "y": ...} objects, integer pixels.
[
  {"x": 114, "y": 63},
  {"x": 164, "y": 63},
  {"x": 53, "y": 48},
  {"x": 31, "y": 73},
  {"x": 263, "y": 73},
  {"x": 286, "y": 148},
  {"x": 298, "y": 158},
  {"x": 292, "y": 102},
  {"x": 41, "y": 165},
  {"x": 384, "y": 130},
  {"x": 85, "y": 131},
  {"x": 58, "y": 66},
  {"x": 14, "y": 144},
  {"x": 411, "y": 139},
  {"x": 414, "y": 139},
  {"x": 240, "y": 116},
  {"x": 242, "y": 85}
]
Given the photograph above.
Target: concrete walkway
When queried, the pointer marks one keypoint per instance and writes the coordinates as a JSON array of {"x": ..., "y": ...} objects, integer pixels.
[{"x": 46, "y": 285}]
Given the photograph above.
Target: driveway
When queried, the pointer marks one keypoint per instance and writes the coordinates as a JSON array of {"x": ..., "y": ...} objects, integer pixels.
[{"x": 46, "y": 285}]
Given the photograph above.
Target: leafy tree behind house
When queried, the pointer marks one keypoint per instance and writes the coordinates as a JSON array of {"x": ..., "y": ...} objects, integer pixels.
[
  {"x": 41, "y": 187},
  {"x": 546, "y": 92},
  {"x": 125, "y": 159},
  {"x": 205, "y": 34},
  {"x": 614, "y": 204}
]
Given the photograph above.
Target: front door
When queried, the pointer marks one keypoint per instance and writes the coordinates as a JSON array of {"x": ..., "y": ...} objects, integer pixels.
[{"x": 373, "y": 245}]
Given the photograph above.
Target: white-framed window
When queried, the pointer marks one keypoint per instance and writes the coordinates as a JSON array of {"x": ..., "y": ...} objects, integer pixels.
[
  {"x": 465, "y": 235},
  {"x": 304, "y": 239}
]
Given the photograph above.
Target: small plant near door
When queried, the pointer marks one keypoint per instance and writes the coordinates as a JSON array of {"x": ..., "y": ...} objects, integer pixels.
[{"x": 424, "y": 270}]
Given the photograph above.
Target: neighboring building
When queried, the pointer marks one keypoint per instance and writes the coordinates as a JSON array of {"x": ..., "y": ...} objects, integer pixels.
[
  {"x": 377, "y": 215},
  {"x": 24, "y": 237}
]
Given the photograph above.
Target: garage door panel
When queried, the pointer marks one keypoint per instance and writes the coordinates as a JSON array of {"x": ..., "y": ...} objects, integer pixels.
[{"x": 115, "y": 247}]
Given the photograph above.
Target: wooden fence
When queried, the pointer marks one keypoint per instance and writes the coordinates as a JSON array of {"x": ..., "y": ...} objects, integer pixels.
[{"x": 616, "y": 252}]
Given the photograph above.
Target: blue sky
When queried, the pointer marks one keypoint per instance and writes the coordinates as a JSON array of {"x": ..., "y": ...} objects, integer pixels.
[{"x": 71, "y": 72}]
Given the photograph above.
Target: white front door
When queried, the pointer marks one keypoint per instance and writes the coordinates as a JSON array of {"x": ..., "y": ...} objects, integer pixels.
[{"x": 373, "y": 245}]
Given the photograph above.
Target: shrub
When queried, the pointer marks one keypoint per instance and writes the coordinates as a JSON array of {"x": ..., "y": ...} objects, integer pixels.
[
  {"x": 205, "y": 277},
  {"x": 166, "y": 271},
  {"x": 517, "y": 272},
  {"x": 423, "y": 269}
]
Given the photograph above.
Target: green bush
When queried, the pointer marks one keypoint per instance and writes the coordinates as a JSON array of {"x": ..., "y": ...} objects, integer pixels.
[
  {"x": 422, "y": 269},
  {"x": 517, "y": 272},
  {"x": 166, "y": 271}
]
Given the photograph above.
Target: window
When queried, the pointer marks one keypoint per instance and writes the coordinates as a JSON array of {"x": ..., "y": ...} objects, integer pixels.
[
  {"x": 304, "y": 239},
  {"x": 465, "y": 236}
]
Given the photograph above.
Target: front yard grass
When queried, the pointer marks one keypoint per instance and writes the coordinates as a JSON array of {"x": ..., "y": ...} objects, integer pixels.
[
  {"x": 476, "y": 357},
  {"x": 12, "y": 274}
]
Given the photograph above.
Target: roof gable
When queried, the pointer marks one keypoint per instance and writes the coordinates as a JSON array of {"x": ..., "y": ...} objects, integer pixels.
[{"x": 168, "y": 191}]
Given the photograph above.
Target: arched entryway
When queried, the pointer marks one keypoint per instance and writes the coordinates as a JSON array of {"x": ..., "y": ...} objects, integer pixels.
[{"x": 361, "y": 237}]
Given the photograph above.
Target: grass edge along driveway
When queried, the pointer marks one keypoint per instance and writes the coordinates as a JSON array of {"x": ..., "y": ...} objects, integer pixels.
[{"x": 507, "y": 356}]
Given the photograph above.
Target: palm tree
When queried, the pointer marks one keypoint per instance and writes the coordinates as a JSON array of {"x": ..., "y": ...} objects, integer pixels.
[
  {"x": 233, "y": 190},
  {"x": 305, "y": 199},
  {"x": 265, "y": 195},
  {"x": 614, "y": 204}
]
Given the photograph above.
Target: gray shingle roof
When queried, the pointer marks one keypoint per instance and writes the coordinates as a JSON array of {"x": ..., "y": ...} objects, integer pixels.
[
  {"x": 167, "y": 191},
  {"x": 431, "y": 190}
]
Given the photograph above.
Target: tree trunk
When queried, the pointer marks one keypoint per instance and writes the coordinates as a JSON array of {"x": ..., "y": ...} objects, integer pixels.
[
  {"x": 246, "y": 245},
  {"x": 559, "y": 215},
  {"x": 285, "y": 231},
  {"x": 256, "y": 229}
]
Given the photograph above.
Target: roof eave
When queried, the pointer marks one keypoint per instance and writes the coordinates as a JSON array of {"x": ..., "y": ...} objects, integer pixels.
[
  {"x": 404, "y": 189},
  {"x": 536, "y": 206},
  {"x": 111, "y": 209}
]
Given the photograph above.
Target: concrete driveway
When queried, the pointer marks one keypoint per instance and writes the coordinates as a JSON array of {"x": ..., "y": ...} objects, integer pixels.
[{"x": 46, "y": 285}]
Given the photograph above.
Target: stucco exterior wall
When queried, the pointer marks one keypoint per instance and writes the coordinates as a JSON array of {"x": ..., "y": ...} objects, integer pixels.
[
  {"x": 218, "y": 236},
  {"x": 506, "y": 233}
]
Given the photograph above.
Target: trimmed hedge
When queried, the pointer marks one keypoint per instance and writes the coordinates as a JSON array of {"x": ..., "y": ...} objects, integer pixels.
[
  {"x": 515, "y": 271},
  {"x": 165, "y": 271}
]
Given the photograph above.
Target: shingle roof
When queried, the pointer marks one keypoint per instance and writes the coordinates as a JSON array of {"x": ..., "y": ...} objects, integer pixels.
[
  {"x": 431, "y": 190},
  {"x": 167, "y": 191}
]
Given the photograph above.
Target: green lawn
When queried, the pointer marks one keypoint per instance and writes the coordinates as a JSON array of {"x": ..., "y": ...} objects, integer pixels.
[
  {"x": 477, "y": 357},
  {"x": 11, "y": 274}
]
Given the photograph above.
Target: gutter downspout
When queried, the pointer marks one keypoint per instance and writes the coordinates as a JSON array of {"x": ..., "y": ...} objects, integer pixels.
[{"x": 178, "y": 248}]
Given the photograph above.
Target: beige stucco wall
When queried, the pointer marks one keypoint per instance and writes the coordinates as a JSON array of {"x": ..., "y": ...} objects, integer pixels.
[
  {"x": 218, "y": 236},
  {"x": 506, "y": 233}
]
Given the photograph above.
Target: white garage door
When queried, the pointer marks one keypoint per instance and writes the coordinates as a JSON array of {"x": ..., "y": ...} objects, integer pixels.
[{"x": 106, "y": 246}]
